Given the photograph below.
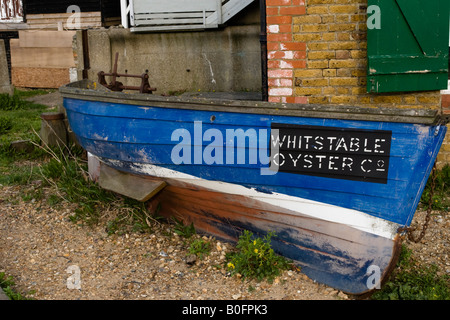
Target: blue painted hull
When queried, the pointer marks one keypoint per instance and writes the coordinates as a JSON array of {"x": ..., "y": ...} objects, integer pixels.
[
  {"x": 127, "y": 133},
  {"x": 129, "y": 136}
]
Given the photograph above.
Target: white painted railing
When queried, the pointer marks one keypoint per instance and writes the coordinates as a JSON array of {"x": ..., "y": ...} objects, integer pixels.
[{"x": 156, "y": 15}]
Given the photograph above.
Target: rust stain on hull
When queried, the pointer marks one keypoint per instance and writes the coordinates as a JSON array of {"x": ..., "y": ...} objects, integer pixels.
[{"x": 324, "y": 250}]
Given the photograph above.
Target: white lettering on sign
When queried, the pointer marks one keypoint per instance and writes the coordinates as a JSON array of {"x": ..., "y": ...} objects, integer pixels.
[{"x": 336, "y": 152}]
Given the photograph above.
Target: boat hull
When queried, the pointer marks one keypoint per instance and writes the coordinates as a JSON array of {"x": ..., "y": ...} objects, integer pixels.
[
  {"x": 343, "y": 184},
  {"x": 333, "y": 252},
  {"x": 151, "y": 135}
]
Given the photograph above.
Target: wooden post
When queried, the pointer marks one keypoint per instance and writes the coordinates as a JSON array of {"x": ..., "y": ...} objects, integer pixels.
[
  {"x": 5, "y": 83},
  {"x": 219, "y": 12},
  {"x": 53, "y": 130},
  {"x": 124, "y": 9}
]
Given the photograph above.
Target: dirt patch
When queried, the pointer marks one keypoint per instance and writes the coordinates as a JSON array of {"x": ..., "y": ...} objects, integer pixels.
[
  {"x": 52, "y": 99},
  {"x": 42, "y": 248},
  {"x": 39, "y": 244}
]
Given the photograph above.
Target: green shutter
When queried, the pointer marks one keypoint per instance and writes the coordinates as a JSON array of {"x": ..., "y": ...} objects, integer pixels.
[{"x": 408, "y": 50}]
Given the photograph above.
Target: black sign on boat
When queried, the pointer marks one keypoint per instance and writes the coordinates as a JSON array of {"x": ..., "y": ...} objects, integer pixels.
[{"x": 341, "y": 153}]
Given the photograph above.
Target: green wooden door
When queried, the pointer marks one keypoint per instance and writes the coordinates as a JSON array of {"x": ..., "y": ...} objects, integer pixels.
[{"x": 407, "y": 45}]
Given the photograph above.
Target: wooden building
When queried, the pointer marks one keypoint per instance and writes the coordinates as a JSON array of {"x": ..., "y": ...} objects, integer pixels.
[
  {"x": 38, "y": 36},
  {"x": 90, "y": 13}
]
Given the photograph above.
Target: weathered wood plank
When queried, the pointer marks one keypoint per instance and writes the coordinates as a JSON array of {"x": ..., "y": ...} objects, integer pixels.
[
  {"x": 39, "y": 77},
  {"x": 62, "y": 15},
  {"x": 169, "y": 15},
  {"x": 144, "y": 6},
  {"x": 419, "y": 116},
  {"x": 64, "y": 26},
  {"x": 53, "y": 19},
  {"x": 48, "y": 38},
  {"x": 171, "y": 27},
  {"x": 65, "y": 20},
  {"x": 42, "y": 57},
  {"x": 131, "y": 186},
  {"x": 175, "y": 15},
  {"x": 168, "y": 21}
]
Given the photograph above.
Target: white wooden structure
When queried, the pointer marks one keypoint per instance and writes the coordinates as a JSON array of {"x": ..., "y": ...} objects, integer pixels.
[
  {"x": 157, "y": 15},
  {"x": 11, "y": 11}
]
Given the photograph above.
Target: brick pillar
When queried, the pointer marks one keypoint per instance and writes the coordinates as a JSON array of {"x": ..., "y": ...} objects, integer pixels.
[
  {"x": 444, "y": 155},
  {"x": 446, "y": 104},
  {"x": 317, "y": 54},
  {"x": 285, "y": 55}
]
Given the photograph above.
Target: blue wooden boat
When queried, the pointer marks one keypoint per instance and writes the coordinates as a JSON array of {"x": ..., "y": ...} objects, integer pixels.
[{"x": 335, "y": 183}]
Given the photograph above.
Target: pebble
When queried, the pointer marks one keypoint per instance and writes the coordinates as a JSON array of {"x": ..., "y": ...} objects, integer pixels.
[
  {"x": 191, "y": 259},
  {"x": 163, "y": 254}
]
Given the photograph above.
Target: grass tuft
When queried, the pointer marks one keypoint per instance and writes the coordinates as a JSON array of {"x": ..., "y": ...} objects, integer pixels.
[
  {"x": 7, "y": 284},
  {"x": 256, "y": 259},
  {"x": 411, "y": 282},
  {"x": 441, "y": 195}
]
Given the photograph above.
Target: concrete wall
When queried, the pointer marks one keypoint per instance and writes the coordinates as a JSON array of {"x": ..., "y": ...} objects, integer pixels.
[{"x": 227, "y": 59}]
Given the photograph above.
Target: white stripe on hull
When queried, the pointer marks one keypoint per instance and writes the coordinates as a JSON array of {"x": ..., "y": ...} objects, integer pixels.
[{"x": 352, "y": 218}]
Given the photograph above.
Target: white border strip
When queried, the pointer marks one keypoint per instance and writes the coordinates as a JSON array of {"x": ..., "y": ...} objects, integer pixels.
[
  {"x": 448, "y": 89},
  {"x": 353, "y": 218}
]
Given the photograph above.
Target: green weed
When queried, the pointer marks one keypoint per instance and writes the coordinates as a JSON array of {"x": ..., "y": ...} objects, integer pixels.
[
  {"x": 129, "y": 216},
  {"x": 6, "y": 124},
  {"x": 14, "y": 102},
  {"x": 441, "y": 198},
  {"x": 183, "y": 230},
  {"x": 18, "y": 173},
  {"x": 27, "y": 93},
  {"x": 7, "y": 284},
  {"x": 255, "y": 258},
  {"x": 70, "y": 178},
  {"x": 411, "y": 282},
  {"x": 200, "y": 248},
  {"x": 20, "y": 120}
]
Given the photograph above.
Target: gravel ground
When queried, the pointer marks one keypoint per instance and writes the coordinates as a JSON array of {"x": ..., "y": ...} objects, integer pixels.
[
  {"x": 41, "y": 248},
  {"x": 39, "y": 245}
]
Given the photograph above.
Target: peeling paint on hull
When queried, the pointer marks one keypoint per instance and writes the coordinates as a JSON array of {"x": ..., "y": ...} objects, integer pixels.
[
  {"x": 332, "y": 253},
  {"x": 336, "y": 227}
]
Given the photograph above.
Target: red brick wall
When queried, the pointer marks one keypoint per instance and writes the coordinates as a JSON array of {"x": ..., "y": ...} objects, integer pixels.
[
  {"x": 444, "y": 155},
  {"x": 285, "y": 54},
  {"x": 317, "y": 54},
  {"x": 446, "y": 103}
]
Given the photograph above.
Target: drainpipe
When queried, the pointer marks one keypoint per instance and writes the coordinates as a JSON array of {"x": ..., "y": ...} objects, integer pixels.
[
  {"x": 86, "y": 60},
  {"x": 263, "y": 41}
]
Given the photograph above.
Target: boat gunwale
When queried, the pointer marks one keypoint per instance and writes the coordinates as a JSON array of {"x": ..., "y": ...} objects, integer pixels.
[{"x": 79, "y": 90}]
